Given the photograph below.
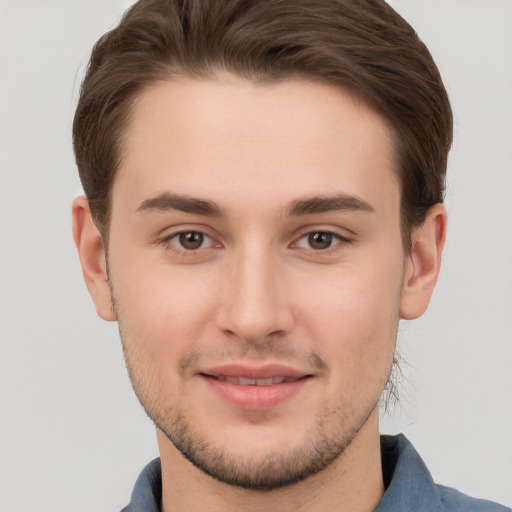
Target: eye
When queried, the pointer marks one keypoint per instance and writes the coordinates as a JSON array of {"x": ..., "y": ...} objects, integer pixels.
[
  {"x": 190, "y": 240},
  {"x": 319, "y": 240}
]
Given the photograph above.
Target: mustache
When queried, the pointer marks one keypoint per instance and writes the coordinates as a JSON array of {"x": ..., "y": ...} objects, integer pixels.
[{"x": 254, "y": 353}]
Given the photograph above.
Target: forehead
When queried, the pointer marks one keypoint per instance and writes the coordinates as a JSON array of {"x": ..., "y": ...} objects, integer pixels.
[{"x": 231, "y": 139}]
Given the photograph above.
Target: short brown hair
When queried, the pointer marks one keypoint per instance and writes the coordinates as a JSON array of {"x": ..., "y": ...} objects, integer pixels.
[{"x": 361, "y": 46}]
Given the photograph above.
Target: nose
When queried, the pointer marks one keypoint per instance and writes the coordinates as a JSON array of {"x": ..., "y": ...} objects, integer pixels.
[{"x": 255, "y": 304}]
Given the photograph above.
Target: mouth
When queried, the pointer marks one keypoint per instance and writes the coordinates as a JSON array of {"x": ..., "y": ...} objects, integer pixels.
[
  {"x": 255, "y": 388},
  {"x": 244, "y": 381}
]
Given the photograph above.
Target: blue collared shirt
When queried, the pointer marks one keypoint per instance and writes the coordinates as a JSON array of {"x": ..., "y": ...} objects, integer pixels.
[{"x": 409, "y": 485}]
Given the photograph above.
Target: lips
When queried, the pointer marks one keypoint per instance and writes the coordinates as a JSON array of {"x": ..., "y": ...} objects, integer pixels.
[
  {"x": 242, "y": 381},
  {"x": 255, "y": 388},
  {"x": 254, "y": 372}
]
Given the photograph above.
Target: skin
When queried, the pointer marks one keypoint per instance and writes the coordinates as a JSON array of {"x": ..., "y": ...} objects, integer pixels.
[{"x": 279, "y": 276}]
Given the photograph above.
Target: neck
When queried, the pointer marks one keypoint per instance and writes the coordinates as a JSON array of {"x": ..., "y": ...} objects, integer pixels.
[{"x": 352, "y": 482}]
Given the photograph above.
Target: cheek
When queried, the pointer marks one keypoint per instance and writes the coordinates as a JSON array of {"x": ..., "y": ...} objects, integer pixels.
[
  {"x": 354, "y": 316},
  {"x": 162, "y": 309}
]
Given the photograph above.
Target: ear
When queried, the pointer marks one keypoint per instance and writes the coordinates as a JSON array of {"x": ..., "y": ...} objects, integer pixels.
[
  {"x": 423, "y": 263},
  {"x": 92, "y": 258}
]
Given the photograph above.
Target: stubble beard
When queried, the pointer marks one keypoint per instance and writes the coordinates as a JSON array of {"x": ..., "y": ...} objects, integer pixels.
[
  {"x": 267, "y": 472},
  {"x": 262, "y": 472}
]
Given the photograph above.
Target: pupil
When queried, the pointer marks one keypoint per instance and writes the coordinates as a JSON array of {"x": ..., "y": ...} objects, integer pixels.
[
  {"x": 320, "y": 240},
  {"x": 191, "y": 240}
]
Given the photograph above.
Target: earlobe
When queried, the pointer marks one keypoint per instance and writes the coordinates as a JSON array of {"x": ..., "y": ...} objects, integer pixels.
[
  {"x": 423, "y": 263},
  {"x": 90, "y": 248}
]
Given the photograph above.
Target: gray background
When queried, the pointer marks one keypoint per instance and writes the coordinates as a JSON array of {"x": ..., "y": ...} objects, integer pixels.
[{"x": 72, "y": 435}]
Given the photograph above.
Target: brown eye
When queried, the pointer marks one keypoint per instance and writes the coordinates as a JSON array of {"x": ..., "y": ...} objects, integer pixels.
[
  {"x": 191, "y": 240},
  {"x": 320, "y": 240}
]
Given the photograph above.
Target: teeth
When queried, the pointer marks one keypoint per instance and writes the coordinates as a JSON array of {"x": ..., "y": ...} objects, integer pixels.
[{"x": 242, "y": 381}]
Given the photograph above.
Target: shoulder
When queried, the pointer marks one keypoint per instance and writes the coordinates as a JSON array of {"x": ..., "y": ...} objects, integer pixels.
[
  {"x": 410, "y": 486},
  {"x": 455, "y": 501}
]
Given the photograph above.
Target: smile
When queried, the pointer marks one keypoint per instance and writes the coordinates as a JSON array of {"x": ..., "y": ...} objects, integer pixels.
[
  {"x": 243, "y": 381},
  {"x": 255, "y": 388}
]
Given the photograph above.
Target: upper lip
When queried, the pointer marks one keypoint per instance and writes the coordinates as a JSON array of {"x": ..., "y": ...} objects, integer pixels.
[{"x": 254, "y": 372}]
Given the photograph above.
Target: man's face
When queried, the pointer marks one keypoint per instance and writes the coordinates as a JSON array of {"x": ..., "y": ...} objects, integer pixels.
[{"x": 256, "y": 267}]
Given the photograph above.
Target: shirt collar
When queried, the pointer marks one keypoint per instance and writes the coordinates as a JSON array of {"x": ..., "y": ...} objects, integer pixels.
[
  {"x": 409, "y": 484},
  {"x": 147, "y": 493}
]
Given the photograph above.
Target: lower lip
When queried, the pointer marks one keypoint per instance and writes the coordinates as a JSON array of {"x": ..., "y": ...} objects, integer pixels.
[{"x": 256, "y": 398}]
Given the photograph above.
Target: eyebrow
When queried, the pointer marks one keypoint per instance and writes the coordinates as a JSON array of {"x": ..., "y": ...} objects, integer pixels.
[
  {"x": 321, "y": 204},
  {"x": 308, "y": 206},
  {"x": 167, "y": 201}
]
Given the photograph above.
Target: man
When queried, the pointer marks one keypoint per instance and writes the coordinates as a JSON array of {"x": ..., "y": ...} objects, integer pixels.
[{"x": 264, "y": 186}]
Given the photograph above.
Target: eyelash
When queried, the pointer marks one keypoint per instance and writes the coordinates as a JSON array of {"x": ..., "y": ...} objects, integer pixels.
[
  {"x": 335, "y": 240},
  {"x": 168, "y": 244}
]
